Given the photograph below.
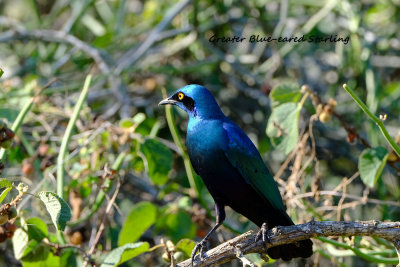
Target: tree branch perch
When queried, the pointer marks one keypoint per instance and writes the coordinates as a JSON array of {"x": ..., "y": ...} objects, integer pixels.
[{"x": 288, "y": 234}]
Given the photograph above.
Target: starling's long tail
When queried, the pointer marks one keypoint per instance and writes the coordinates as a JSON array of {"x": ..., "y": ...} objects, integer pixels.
[{"x": 300, "y": 249}]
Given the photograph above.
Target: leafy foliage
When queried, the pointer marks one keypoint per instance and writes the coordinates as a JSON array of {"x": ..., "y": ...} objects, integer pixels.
[
  {"x": 283, "y": 126},
  {"x": 126, "y": 252},
  {"x": 141, "y": 217},
  {"x": 159, "y": 160},
  {"x": 371, "y": 164},
  {"x": 58, "y": 209}
]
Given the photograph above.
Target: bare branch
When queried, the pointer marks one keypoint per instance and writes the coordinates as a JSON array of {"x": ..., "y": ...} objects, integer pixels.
[
  {"x": 59, "y": 37},
  {"x": 135, "y": 53},
  {"x": 110, "y": 174},
  {"x": 288, "y": 234}
]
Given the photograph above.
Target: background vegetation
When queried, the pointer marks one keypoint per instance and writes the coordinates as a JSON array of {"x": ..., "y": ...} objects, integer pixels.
[{"x": 80, "y": 89}]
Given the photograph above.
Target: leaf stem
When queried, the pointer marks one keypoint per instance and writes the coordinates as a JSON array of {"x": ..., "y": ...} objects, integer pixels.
[
  {"x": 379, "y": 122},
  {"x": 186, "y": 161},
  {"x": 67, "y": 136},
  {"x": 357, "y": 251}
]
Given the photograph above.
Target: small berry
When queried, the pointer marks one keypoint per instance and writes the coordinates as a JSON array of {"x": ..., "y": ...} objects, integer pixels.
[
  {"x": 6, "y": 144},
  {"x": 9, "y": 234},
  {"x": 11, "y": 227},
  {"x": 43, "y": 149},
  {"x": 3, "y": 234},
  {"x": 328, "y": 109},
  {"x": 76, "y": 238},
  {"x": 3, "y": 219},
  {"x": 10, "y": 134},
  {"x": 179, "y": 256},
  {"x": 12, "y": 213},
  {"x": 324, "y": 116},
  {"x": 165, "y": 257},
  {"x": 392, "y": 157},
  {"x": 350, "y": 137},
  {"x": 170, "y": 245},
  {"x": 27, "y": 167}
]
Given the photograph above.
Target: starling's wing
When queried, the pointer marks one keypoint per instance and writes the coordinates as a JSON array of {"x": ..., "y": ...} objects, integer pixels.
[{"x": 244, "y": 156}]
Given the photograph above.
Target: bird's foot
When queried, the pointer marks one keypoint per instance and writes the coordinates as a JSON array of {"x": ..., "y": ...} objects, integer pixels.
[
  {"x": 263, "y": 235},
  {"x": 200, "y": 247}
]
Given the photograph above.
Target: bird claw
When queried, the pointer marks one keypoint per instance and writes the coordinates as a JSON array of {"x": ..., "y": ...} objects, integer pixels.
[
  {"x": 199, "y": 248},
  {"x": 263, "y": 235}
]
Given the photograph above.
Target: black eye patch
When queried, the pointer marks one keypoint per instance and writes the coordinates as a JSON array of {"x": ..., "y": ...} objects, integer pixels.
[{"x": 188, "y": 102}]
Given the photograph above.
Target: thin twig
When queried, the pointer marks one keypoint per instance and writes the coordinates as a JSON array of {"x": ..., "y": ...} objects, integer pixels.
[
  {"x": 353, "y": 197},
  {"x": 106, "y": 215}
]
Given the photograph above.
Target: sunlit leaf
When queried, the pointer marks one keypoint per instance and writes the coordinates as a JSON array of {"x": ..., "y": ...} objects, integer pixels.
[
  {"x": 4, "y": 193},
  {"x": 284, "y": 93},
  {"x": 283, "y": 126},
  {"x": 58, "y": 209},
  {"x": 37, "y": 229},
  {"x": 186, "y": 246},
  {"x": 179, "y": 225},
  {"x": 141, "y": 217},
  {"x": 159, "y": 160},
  {"x": 20, "y": 243},
  {"x": 8, "y": 185},
  {"x": 125, "y": 253},
  {"x": 5, "y": 183},
  {"x": 50, "y": 260},
  {"x": 371, "y": 163}
]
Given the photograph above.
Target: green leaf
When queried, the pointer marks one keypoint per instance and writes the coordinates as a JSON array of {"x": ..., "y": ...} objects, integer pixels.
[
  {"x": 50, "y": 260},
  {"x": 126, "y": 123},
  {"x": 37, "y": 229},
  {"x": 8, "y": 185},
  {"x": 20, "y": 243},
  {"x": 36, "y": 253},
  {"x": 5, "y": 183},
  {"x": 282, "y": 126},
  {"x": 1, "y": 72},
  {"x": 139, "y": 118},
  {"x": 125, "y": 253},
  {"x": 141, "y": 217},
  {"x": 135, "y": 121},
  {"x": 371, "y": 163},
  {"x": 4, "y": 193},
  {"x": 284, "y": 93},
  {"x": 58, "y": 209},
  {"x": 9, "y": 113},
  {"x": 159, "y": 160},
  {"x": 179, "y": 225},
  {"x": 186, "y": 246}
]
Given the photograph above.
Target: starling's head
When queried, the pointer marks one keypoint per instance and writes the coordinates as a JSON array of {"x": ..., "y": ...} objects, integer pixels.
[{"x": 196, "y": 100}]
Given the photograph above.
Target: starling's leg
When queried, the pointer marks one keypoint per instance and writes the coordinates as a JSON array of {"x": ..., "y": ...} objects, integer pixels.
[
  {"x": 263, "y": 234},
  {"x": 220, "y": 214}
]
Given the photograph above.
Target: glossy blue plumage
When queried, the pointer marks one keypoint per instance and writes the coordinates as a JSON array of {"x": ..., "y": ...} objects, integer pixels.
[
  {"x": 231, "y": 167},
  {"x": 217, "y": 146}
]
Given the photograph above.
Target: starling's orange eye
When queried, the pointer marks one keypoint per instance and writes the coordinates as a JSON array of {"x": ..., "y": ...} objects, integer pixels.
[{"x": 181, "y": 96}]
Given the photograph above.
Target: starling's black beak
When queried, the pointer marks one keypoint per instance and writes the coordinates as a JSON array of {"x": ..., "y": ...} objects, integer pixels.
[{"x": 168, "y": 101}]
